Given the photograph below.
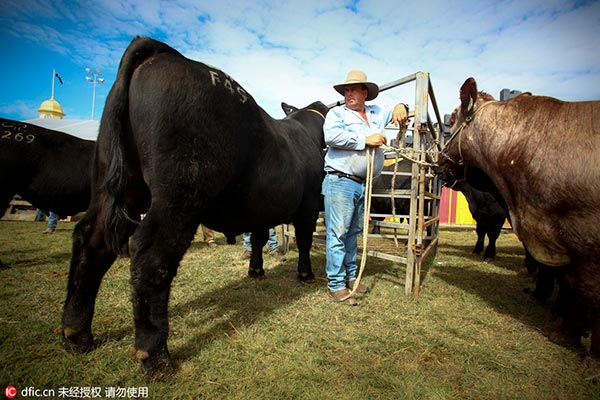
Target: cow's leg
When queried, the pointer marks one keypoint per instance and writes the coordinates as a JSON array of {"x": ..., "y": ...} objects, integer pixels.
[
  {"x": 530, "y": 263},
  {"x": 304, "y": 237},
  {"x": 4, "y": 203},
  {"x": 258, "y": 239},
  {"x": 595, "y": 345},
  {"x": 570, "y": 306},
  {"x": 376, "y": 228},
  {"x": 493, "y": 231},
  {"x": 481, "y": 228},
  {"x": 589, "y": 284},
  {"x": 159, "y": 243},
  {"x": 90, "y": 260},
  {"x": 544, "y": 284},
  {"x": 5, "y": 199}
]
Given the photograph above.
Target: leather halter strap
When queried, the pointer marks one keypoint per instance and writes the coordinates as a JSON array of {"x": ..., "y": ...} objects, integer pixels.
[
  {"x": 459, "y": 130},
  {"x": 316, "y": 112}
]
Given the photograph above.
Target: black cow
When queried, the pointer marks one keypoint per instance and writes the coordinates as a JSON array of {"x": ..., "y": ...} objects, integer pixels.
[
  {"x": 382, "y": 184},
  {"x": 185, "y": 144},
  {"x": 489, "y": 216},
  {"x": 49, "y": 169}
]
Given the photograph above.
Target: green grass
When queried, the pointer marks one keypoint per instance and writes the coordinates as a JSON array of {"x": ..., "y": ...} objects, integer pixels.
[{"x": 471, "y": 334}]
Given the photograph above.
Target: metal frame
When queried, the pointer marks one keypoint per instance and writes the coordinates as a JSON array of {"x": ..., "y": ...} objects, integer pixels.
[{"x": 425, "y": 192}]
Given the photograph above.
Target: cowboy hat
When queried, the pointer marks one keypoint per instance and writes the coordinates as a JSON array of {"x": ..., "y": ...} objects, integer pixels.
[{"x": 360, "y": 77}]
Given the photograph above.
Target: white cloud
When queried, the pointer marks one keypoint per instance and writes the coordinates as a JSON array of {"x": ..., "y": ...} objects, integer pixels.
[{"x": 295, "y": 51}]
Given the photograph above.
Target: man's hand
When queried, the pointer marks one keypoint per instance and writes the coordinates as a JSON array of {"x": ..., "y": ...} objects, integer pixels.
[
  {"x": 399, "y": 115},
  {"x": 375, "y": 140}
]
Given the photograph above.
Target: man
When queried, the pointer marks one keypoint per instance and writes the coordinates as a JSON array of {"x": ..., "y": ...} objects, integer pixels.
[{"x": 349, "y": 130}]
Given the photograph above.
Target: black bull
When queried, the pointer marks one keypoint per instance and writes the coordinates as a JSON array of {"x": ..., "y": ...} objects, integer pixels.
[
  {"x": 184, "y": 144},
  {"x": 49, "y": 169}
]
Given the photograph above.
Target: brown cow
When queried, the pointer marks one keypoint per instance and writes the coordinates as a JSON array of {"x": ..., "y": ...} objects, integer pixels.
[{"x": 543, "y": 156}]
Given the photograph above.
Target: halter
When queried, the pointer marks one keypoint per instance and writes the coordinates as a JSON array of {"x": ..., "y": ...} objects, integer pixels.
[
  {"x": 458, "y": 132},
  {"x": 316, "y": 112}
]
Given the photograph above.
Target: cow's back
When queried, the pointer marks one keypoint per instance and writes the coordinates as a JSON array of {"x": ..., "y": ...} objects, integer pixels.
[{"x": 191, "y": 131}]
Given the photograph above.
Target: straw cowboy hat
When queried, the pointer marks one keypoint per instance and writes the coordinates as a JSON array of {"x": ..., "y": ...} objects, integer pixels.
[{"x": 354, "y": 77}]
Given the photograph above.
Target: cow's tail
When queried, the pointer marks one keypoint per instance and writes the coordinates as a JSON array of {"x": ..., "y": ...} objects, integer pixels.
[{"x": 115, "y": 127}]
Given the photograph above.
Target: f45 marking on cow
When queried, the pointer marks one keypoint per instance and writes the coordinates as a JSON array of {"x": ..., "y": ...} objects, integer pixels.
[{"x": 229, "y": 84}]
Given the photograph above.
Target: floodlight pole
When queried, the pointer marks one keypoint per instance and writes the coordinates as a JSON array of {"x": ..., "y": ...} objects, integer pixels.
[{"x": 94, "y": 80}]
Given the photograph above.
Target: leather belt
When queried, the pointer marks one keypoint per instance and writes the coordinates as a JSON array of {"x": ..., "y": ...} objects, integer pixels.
[{"x": 355, "y": 178}]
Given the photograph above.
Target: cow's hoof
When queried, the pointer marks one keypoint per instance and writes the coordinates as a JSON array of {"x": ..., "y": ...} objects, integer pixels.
[
  {"x": 566, "y": 338},
  {"x": 77, "y": 342},
  {"x": 306, "y": 277},
  {"x": 156, "y": 368},
  {"x": 256, "y": 273},
  {"x": 230, "y": 238}
]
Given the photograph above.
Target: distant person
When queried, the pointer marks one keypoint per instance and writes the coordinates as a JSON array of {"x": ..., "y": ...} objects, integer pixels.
[
  {"x": 272, "y": 242},
  {"x": 52, "y": 220},
  {"x": 209, "y": 237}
]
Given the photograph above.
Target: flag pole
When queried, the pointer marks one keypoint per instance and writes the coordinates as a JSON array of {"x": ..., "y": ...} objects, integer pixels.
[{"x": 53, "y": 75}]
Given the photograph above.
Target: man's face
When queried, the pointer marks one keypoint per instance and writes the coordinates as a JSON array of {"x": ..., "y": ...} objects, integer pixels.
[{"x": 356, "y": 96}]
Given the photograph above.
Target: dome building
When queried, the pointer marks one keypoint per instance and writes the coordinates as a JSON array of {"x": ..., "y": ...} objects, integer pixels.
[{"x": 51, "y": 109}]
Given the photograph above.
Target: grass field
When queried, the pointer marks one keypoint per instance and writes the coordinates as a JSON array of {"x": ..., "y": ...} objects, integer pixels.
[{"x": 471, "y": 334}]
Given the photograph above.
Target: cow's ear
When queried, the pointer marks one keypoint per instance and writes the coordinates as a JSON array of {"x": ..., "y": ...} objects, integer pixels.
[
  {"x": 288, "y": 109},
  {"x": 468, "y": 95}
]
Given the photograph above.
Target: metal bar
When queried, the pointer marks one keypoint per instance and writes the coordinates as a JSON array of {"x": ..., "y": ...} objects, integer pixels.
[
  {"x": 430, "y": 247},
  {"x": 432, "y": 196},
  {"x": 401, "y": 81},
  {"x": 434, "y": 104},
  {"x": 385, "y": 256},
  {"x": 431, "y": 222}
]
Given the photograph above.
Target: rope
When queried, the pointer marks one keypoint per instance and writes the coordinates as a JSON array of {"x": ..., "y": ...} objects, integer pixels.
[
  {"x": 367, "y": 207},
  {"x": 393, "y": 197},
  {"x": 367, "y": 212}
]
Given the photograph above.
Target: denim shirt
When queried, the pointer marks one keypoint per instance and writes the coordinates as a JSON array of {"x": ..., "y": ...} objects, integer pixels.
[{"x": 345, "y": 132}]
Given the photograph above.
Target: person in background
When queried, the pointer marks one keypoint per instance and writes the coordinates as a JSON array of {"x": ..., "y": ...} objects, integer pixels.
[
  {"x": 273, "y": 244},
  {"x": 350, "y": 129},
  {"x": 52, "y": 220},
  {"x": 209, "y": 237}
]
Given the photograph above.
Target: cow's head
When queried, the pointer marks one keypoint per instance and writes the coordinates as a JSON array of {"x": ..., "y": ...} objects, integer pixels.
[{"x": 451, "y": 160}]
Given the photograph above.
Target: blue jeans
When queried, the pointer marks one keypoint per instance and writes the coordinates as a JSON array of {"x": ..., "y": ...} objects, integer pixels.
[
  {"x": 273, "y": 242},
  {"x": 52, "y": 220},
  {"x": 344, "y": 209}
]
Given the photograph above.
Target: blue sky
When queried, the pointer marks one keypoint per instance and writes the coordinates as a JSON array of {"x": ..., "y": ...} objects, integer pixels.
[{"x": 294, "y": 51}]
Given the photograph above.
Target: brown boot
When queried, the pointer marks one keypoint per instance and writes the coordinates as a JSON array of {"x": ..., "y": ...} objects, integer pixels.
[
  {"x": 361, "y": 288},
  {"x": 341, "y": 296},
  {"x": 246, "y": 255},
  {"x": 277, "y": 254}
]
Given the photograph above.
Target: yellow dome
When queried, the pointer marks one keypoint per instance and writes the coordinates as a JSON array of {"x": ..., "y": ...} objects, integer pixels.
[{"x": 51, "y": 109}]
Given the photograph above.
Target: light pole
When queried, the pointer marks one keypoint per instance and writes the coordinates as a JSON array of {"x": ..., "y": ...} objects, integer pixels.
[{"x": 95, "y": 79}]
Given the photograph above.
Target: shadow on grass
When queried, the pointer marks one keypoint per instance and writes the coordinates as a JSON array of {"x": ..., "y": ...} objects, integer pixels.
[
  {"x": 244, "y": 302},
  {"x": 29, "y": 258},
  {"x": 505, "y": 294},
  {"x": 509, "y": 257}
]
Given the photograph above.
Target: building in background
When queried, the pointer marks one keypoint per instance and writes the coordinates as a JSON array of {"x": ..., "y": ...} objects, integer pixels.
[{"x": 51, "y": 109}]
